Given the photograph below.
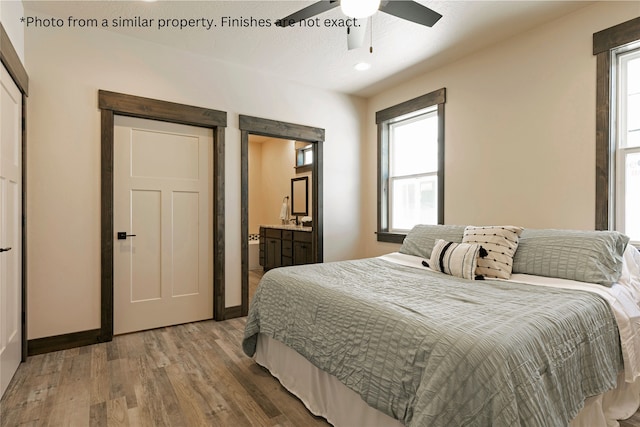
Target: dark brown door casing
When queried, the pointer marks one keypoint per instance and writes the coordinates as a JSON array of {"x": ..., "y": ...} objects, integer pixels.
[
  {"x": 111, "y": 104},
  {"x": 277, "y": 129}
]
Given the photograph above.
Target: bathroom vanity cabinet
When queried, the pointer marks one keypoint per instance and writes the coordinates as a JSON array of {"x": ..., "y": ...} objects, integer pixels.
[{"x": 285, "y": 245}]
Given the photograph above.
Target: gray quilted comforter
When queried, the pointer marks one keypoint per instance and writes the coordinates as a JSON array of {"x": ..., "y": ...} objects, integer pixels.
[{"x": 433, "y": 350}]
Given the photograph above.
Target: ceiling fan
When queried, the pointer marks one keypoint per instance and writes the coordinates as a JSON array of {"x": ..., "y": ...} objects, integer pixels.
[{"x": 359, "y": 9}]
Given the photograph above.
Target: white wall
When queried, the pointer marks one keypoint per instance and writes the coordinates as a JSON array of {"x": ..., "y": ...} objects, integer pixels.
[
  {"x": 519, "y": 128},
  {"x": 67, "y": 67},
  {"x": 10, "y": 13}
]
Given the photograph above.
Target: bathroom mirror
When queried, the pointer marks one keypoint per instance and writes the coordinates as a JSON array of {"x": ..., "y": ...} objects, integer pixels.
[{"x": 300, "y": 196}]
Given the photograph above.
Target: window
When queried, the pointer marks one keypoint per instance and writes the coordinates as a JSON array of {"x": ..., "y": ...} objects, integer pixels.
[
  {"x": 410, "y": 165},
  {"x": 413, "y": 171},
  {"x": 618, "y": 129},
  {"x": 304, "y": 155},
  {"x": 627, "y": 140}
]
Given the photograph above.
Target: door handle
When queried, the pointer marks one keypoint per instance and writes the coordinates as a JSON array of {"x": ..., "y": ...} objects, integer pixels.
[
  {"x": 122, "y": 235},
  {"x": 5, "y": 249}
]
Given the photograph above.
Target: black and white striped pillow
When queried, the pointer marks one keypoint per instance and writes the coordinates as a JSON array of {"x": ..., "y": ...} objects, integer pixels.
[{"x": 456, "y": 259}]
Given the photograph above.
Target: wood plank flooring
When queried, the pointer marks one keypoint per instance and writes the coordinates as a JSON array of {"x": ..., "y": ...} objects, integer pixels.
[
  {"x": 188, "y": 375},
  {"x": 254, "y": 279}
]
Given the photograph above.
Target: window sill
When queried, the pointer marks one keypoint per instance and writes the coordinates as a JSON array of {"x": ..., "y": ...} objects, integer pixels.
[{"x": 385, "y": 236}]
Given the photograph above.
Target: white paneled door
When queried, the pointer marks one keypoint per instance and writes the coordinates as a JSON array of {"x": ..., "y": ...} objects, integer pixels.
[
  {"x": 162, "y": 214},
  {"x": 10, "y": 228}
]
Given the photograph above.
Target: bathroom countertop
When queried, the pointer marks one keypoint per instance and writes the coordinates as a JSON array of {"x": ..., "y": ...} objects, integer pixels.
[{"x": 288, "y": 227}]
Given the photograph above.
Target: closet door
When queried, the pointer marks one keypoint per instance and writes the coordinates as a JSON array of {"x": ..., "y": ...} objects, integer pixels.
[{"x": 10, "y": 228}]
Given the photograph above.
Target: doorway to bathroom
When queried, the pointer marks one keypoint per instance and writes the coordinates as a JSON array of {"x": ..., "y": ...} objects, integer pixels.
[{"x": 279, "y": 156}]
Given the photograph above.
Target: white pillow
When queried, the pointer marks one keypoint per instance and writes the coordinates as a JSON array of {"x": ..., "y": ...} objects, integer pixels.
[
  {"x": 456, "y": 259},
  {"x": 630, "y": 277},
  {"x": 500, "y": 242}
]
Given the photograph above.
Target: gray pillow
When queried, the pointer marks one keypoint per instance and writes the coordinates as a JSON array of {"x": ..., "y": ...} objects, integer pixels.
[
  {"x": 585, "y": 256},
  {"x": 421, "y": 239}
]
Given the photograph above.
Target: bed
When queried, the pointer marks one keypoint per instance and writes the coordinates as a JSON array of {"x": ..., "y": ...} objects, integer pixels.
[{"x": 390, "y": 341}]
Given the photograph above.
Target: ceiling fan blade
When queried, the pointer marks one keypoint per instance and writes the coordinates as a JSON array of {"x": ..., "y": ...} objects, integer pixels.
[
  {"x": 356, "y": 34},
  {"x": 308, "y": 12},
  {"x": 411, "y": 11}
]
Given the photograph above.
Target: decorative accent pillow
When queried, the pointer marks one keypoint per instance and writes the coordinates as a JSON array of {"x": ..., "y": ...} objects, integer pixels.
[
  {"x": 420, "y": 240},
  {"x": 500, "y": 242},
  {"x": 456, "y": 259},
  {"x": 585, "y": 256}
]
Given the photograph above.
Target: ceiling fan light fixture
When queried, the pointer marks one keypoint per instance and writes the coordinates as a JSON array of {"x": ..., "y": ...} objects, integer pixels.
[{"x": 359, "y": 9}]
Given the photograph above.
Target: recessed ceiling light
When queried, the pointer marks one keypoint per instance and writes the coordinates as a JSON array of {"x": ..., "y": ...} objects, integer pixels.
[{"x": 362, "y": 66}]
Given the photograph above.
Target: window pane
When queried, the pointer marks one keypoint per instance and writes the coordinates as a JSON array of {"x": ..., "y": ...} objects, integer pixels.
[
  {"x": 633, "y": 71},
  {"x": 413, "y": 146},
  {"x": 632, "y": 76},
  {"x": 308, "y": 156},
  {"x": 632, "y": 196},
  {"x": 414, "y": 201},
  {"x": 633, "y": 120}
]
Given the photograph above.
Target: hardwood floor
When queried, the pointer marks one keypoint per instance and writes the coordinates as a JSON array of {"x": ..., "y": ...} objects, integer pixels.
[
  {"x": 187, "y": 375},
  {"x": 254, "y": 279}
]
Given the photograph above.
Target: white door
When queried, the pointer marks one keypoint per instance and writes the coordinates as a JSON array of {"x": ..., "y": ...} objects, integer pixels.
[
  {"x": 163, "y": 182},
  {"x": 10, "y": 228}
]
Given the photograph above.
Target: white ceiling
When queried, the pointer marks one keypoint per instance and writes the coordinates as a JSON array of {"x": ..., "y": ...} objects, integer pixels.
[{"x": 319, "y": 56}]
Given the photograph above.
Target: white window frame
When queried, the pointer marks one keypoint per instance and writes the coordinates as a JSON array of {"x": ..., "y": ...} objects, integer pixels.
[{"x": 619, "y": 58}]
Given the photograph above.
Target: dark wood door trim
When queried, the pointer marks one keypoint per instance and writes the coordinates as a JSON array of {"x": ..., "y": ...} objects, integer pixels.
[
  {"x": 278, "y": 129},
  {"x": 111, "y": 104}
]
